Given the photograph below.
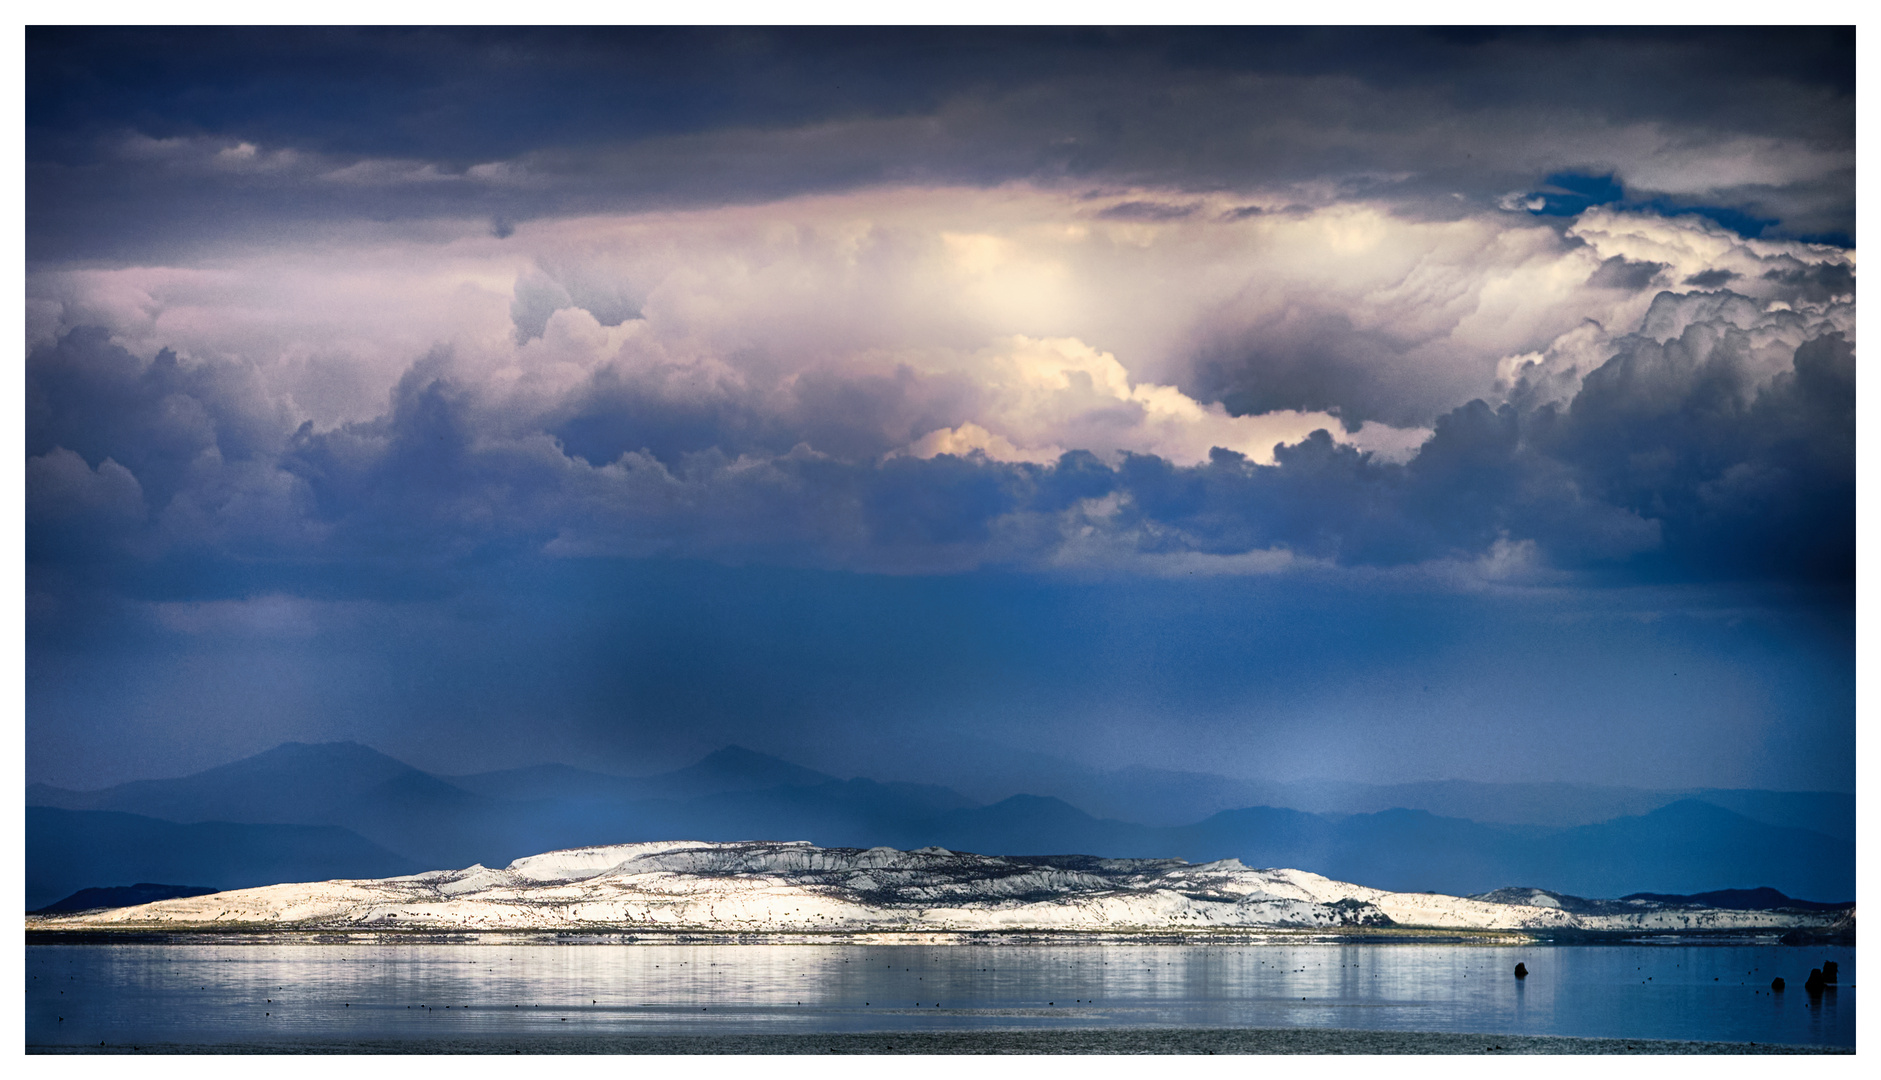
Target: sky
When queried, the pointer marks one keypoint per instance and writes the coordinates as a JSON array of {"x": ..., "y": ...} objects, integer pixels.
[{"x": 1373, "y": 405}]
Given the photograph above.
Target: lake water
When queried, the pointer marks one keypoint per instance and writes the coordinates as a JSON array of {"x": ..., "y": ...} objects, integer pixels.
[{"x": 274, "y": 995}]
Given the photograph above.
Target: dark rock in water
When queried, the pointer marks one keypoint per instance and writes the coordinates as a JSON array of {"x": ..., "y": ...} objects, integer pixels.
[
  {"x": 1521, "y": 971},
  {"x": 143, "y": 892},
  {"x": 1814, "y": 983},
  {"x": 1829, "y": 972},
  {"x": 1777, "y": 984},
  {"x": 1839, "y": 932},
  {"x": 1828, "y": 936}
]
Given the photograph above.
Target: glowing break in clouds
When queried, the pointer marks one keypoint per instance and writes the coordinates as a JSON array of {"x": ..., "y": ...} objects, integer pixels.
[
  {"x": 1061, "y": 323},
  {"x": 794, "y": 377}
]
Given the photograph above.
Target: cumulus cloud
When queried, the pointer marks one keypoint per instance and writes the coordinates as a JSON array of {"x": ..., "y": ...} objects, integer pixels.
[
  {"x": 912, "y": 380},
  {"x": 1688, "y": 246},
  {"x": 1042, "y": 397},
  {"x": 63, "y": 492},
  {"x": 1349, "y": 309}
]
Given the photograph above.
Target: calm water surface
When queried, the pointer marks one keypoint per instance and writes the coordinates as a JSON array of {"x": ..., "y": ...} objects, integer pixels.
[{"x": 277, "y": 994}]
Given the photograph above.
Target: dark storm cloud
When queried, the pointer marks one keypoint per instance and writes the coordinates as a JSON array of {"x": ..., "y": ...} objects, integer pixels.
[
  {"x": 1620, "y": 273},
  {"x": 136, "y": 137},
  {"x": 1747, "y": 482},
  {"x": 852, "y": 416},
  {"x": 1711, "y": 279},
  {"x": 1142, "y": 210},
  {"x": 1699, "y": 454},
  {"x": 343, "y": 423},
  {"x": 1308, "y": 359},
  {"x": 180, "y": 430},
  {"x": 473, "y": 94},
  {"x": 1815, "y": 284}
]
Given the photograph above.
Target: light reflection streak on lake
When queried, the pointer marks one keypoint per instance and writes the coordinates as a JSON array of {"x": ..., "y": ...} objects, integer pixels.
[{"x": 79, "y": 995}]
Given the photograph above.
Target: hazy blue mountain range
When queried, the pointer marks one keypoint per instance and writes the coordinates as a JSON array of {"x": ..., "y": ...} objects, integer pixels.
[
  {"x": 987, "y": 772},
  {"x": 374, "y": 808},
  {"x": 732, "y": 769},
  {"x": 70, "y": 850}
]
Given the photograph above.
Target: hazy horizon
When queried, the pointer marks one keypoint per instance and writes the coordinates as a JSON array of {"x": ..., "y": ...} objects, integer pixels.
[{"x": 1047, "y": 769}]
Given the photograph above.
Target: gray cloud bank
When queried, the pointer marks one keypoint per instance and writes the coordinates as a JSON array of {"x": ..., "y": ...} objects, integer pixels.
[{"x": 156, "y": 140}]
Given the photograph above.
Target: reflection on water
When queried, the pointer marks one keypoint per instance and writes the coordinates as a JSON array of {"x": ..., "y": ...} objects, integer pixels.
[{"x": 80, "y": 995}]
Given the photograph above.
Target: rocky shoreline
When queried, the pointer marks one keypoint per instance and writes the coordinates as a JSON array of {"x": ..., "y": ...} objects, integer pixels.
[{"x": 262, "y": 934}]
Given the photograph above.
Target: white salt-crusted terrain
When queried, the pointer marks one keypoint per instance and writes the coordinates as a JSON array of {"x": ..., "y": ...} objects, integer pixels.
[{"x": 796, "y": 887}]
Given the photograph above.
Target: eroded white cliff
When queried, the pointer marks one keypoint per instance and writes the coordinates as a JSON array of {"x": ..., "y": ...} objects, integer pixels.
[{"x": 768, "y": 887}]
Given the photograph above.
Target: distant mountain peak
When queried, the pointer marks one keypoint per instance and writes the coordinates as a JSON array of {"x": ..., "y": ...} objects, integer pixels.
[
  {"x": 343, "y": 763},
  {"x": 1044, "y": 804},
  {"x": 734, "y": 755},
  {"x": 343, "y": 750},
  {"x": 733, "y": 767}
]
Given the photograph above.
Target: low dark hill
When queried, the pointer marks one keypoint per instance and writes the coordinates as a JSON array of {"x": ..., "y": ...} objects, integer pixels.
[
  {"x": 118, "y": 896},
  {"x": 69, "y": 850},
  {"x": 1759, "y": 899}
]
